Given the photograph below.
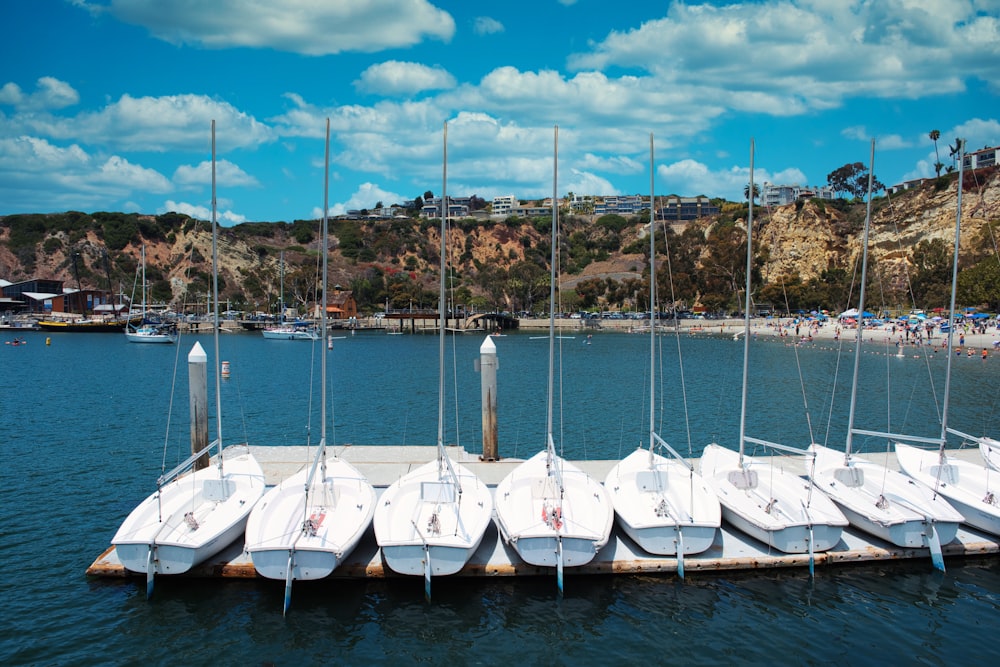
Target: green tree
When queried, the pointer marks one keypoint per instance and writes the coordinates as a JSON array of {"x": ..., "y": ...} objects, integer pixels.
[
  {"x": 979, "y": 285},
  {"x": 756, "y": 192},
  {"x": 853, "y": 179}
]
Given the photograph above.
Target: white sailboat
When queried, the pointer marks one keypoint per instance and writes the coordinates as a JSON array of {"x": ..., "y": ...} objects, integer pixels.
[
  {"x": 877, "y": 500},
  {"x": 662, "y": 503},
  {"x": 763, "y": 500},
  {"x": 550, "y": 511},
  {"x": 144, "y": 332},
  {"x": 284, "y": 330},
  {"x": 972, "y": 488},
  {"x": 306, "y": 526},
  {"x": 431, "y": 520},
  {"x": 193, "y": 515}
]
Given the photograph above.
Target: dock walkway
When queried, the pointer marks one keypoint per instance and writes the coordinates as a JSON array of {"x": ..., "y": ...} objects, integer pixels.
[{"x": 382, "y": 465}]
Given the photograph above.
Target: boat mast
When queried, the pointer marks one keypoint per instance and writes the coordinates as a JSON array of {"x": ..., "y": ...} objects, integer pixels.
[
  {"x": 746, "y": 310},
  {"x": 550, "y": 444},
  {"x": 143, "y": 281},
  {"x": 215, "y": 296},
  {"x": 323, "y": 317},
  {"x": 951, "y": 306},
  {"x": 281, "y": 288},
  {"x": 652, "y": 305},
  {"x": 861, "y": 307},
  {"x": 441, "y": 300}
]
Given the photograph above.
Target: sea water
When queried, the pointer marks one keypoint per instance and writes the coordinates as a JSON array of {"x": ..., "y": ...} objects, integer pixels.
[{"x": 89, "y": 421}]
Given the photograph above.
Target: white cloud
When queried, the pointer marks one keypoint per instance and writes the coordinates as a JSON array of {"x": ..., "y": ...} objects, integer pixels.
[
  {"x": 484, "y": 25},
  {"x": 226, "y": 174},
  {"x": 224, "y": 218},
  {"x": 797, "y": 55},
  {"x": 298, "y": 26},
  {"x": 166, "y": 123},
  {"x": 365, "y": 197},
  {"x": 691, "y": 176},
  {"x": 38, "y": 175},
  {"x": 882, "y": 142},
  {"x": 403, "y": 78},
  {"x": 50, "y": 93},
  {"x": 117, "y": 172}
]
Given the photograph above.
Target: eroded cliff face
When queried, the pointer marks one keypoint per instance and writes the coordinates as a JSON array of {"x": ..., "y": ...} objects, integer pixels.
[
  {"x": 809, "y": 239},
  {"x": 799, "y": 239}
]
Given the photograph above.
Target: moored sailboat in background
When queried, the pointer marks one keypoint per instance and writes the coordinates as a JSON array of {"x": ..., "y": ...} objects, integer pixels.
[
  {"x": 550, "y": 511},
  {"x": 878, "y": 500},
  {"x": 759, "y": 498},
  {"x": 193, "y": 515},
  {"x": 661, "y": 503},
  {"x": 288, "y": 330},
  {"x": 148, "y": 332}
]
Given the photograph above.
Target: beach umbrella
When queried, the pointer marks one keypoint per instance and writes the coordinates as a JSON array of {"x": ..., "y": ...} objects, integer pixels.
[{"x": 867, "y": 314}]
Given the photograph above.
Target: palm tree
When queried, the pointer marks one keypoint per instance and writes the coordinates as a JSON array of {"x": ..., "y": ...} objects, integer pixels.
[
  {"x": 756, "y": 191},
  {"x": 935, "y": 135}
]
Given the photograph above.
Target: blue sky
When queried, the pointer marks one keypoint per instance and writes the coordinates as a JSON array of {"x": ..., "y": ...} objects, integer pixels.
[{"x": 105, "y": 105}]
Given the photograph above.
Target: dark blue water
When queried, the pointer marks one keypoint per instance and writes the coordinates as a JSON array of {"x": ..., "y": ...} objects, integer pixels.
[{"x": 85, "y": 424}]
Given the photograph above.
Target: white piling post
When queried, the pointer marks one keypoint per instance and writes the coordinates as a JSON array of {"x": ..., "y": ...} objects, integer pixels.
[
  {"x": 488, "y": 366},
  {"x": 198, "y": 391}
]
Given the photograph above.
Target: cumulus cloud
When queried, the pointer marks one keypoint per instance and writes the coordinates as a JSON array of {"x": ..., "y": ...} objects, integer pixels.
[
  {"x": 297, "y": 26},
  {"x": 227, "y": 174},
  {"x": 484, "y": 25},
  {"x": 800, "y": 55},
  {"x": 692, "y": 176},
  {"x": 883, "y": 142},
  {"x": 365, "y": 197},
  {"x": 165, "y": 123},
  {"x": 403, "y": 78},
  {"x": 41, "y": 175},
  {"x": 50, "y": 93},
  {"x": 225, "y": 218}
]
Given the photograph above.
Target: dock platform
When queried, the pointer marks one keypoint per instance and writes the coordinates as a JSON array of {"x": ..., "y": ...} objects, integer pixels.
[{"x": 731, "y": 551}]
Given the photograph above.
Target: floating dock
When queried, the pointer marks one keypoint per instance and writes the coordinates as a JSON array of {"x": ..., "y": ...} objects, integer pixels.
[{"x": 732, "y": 550}]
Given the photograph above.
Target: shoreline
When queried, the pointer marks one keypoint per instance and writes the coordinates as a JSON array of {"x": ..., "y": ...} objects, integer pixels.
[{"x": 785, "y": 329}]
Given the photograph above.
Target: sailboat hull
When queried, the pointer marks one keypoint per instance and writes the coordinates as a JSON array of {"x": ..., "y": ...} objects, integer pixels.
[
  {"x": 533, "y": 517},
  {"x": 971, "y": 489},
  {"x": 148, "y": 335},
  {"x": 423, "y": 513},
  {"x": 319, "y": 529},
  {"x": 660, "y": 504},
  {"x": 770, "y": 504},
  {"x": 289, "y": 333},
  {"x": 191, "y": 518},
  {"x": 884, "y": 502}
]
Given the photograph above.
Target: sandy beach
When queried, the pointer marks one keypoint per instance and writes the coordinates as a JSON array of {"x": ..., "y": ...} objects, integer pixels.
[{"x": 803, "y": 333}]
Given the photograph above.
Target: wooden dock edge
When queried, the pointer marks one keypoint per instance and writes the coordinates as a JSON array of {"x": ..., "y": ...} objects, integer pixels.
[{"x": 240, "y": 566}]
